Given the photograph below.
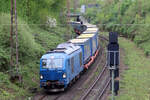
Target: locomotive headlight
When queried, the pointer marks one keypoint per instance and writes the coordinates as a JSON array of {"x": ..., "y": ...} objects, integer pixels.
[
  {"x": 41, "y": 77},
  {"x": 64, "y": 75}
]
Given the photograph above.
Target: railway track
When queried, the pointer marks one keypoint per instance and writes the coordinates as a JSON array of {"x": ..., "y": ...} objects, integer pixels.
[
  {"x": 100, "y": 90},
  {"x": 104, "y": 38},
  {"x": 42, "y": 97},
  {"x": 104, "y": 72},
  {"x": 45, "y": 96},
  {"x": 104, "y": 89}
]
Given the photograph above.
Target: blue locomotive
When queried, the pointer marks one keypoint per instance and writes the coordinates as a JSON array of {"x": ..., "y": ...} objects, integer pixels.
[{"x": 61, "y": 67}]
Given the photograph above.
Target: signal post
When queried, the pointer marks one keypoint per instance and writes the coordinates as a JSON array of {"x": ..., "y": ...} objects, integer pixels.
[{"x": 113, "y": 62}]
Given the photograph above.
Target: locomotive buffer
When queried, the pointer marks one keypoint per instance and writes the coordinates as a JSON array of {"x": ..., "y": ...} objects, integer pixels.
[{"x": 113, "y": 62}]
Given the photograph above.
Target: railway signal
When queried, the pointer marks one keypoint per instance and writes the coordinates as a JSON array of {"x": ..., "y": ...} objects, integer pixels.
[{"x": 113, "y": 62}]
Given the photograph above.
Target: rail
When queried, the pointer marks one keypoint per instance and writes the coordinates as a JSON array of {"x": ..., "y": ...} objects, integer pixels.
[{"x": 94, "y": 83}]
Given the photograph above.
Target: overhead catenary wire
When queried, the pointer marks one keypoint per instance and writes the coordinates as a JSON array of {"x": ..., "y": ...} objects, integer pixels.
[{"x": 97, "y": 24}]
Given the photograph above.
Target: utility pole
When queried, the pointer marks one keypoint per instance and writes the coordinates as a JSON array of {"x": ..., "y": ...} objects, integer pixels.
[
  {"x": 140, "y": 9},
  {"x": 11, "y": 34},
  {"x": 120, "y": 11},
  {"x": 75, "y": 4},
  {"x": 68, "y": 10},
  {"x": 68, "y": 18},
  {"x": 16, "y": 33},
  {"x": 28, "y": 9},
  {"x": 14, "y": 39}
]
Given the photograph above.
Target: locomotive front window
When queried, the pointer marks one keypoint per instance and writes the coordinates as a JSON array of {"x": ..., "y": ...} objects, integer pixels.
[{"x": 54, "y": 63}]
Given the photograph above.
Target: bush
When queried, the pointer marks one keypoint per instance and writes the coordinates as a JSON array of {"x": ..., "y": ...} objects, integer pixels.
[
  {"x": 28, "y": 48},
  {"x": 129, "y": 18}
]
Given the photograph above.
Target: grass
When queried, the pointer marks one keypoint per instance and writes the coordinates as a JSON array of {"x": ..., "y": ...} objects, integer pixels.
[
  {"x": 136, "y": 82},
  {"x": 146, "y": 47}
]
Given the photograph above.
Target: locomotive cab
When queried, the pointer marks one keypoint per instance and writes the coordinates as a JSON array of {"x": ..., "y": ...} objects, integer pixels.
[
  {"x": 57, "y": 66},
  {"x": 52, "y": 71}
]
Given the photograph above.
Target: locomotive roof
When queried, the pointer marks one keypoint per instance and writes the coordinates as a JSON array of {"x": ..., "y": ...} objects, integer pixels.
[
  {"x": 75, "y": 41},
  {"x": 67, "y": 48},
  {"x": 86, "y": 35}
]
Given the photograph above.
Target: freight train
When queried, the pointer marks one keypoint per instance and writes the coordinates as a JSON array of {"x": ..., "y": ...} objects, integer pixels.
[{"x": 62, "y": 66}]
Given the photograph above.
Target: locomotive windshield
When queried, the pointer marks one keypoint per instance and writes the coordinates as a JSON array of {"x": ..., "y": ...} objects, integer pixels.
[{"x": 52, "y": 63}]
